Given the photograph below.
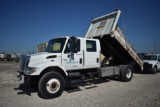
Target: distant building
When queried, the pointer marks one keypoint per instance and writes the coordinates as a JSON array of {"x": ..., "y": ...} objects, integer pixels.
[
  {"x": 2, "y": 55},
  {"x": 13, "y": 55},
  {"x": 42, "y": 47}
]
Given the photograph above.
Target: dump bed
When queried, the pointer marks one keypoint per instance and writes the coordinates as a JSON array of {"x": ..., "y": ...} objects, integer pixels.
[{"x": 113, "y": 42}]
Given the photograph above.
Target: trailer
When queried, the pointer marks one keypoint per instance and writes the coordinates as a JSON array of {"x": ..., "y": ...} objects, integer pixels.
[{"x": 73, "y": 61}]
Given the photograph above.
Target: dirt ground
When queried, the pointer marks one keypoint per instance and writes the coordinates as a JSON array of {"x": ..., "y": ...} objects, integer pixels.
[{"x": 142, "y": 91}]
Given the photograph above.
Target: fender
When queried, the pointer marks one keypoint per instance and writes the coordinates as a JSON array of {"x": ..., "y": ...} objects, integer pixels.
[{"x": 42, "y": 66}]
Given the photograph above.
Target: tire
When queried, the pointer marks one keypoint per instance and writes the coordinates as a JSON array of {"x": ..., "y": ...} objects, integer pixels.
[
  {"x": 154, "y": 70},
  {"x": 120, "y": 69},
  {"x": 126, "y": 73},
  {"x": 51, "y": 85}
]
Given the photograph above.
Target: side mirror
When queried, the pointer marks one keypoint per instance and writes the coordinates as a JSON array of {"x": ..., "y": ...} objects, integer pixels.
[
  {"x": 73, "y": 41},
  {"x": 75, "y": 50}
]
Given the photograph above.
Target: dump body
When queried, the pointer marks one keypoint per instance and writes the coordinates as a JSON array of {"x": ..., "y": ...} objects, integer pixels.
[{"x": 112, "y": 40}]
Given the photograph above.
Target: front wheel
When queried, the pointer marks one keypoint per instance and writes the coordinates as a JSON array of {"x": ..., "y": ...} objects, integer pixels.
[
  {"x": 126, "y": 73},
  {"x": 51, "y": 85},
  {"x": 154, "y": 70}
]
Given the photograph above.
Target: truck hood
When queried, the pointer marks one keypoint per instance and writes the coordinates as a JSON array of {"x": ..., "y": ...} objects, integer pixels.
[
  {"x": 149, "y": 61},
  {"x": 41, "y": 53},
  {"x": 43, "y": 56}
]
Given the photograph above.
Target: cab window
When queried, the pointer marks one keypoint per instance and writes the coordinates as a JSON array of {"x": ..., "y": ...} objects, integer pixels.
[
  {"x": 158, "y": 58},
  {"x": 56, "y": 45},
  {"x": 91, "y": 46},
  {"x": 67, "y": 49}
]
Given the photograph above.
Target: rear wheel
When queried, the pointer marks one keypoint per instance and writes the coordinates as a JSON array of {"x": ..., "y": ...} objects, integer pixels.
[
  {"x": 51, "y": 85},
  {"x": 126, "y": 73}
]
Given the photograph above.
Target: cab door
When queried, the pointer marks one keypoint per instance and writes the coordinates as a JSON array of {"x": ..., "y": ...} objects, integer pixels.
[
  {"x": 91, "y": 54},
  {"x": 72, "y": 60}
]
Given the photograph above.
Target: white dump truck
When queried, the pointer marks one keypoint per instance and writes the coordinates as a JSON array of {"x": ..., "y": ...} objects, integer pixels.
[{"x": 71, "y": 61}]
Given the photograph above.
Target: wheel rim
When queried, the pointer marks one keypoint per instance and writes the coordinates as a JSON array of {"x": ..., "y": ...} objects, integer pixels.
[
  {"x": 128, "y": 73},
  {"x": 53, "y": 85}
]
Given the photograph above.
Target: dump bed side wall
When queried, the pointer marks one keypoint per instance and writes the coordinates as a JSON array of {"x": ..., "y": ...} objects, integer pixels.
[{"x": 119, "y": 49}]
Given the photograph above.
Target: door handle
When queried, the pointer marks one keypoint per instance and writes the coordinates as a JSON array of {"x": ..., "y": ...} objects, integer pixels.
[
  {"x": 97, "y": 60},
  {"x": 68, "y": 56},
  {"x": 80, "y": 60}
]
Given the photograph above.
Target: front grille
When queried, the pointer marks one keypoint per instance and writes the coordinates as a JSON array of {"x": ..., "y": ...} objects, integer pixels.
[
  {"x": 147, "y": 65},
  {"x": 24, "y": 63}
]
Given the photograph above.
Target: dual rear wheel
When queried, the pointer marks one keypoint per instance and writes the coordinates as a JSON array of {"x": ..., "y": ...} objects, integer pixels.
[{"x": 126, "y": 73}]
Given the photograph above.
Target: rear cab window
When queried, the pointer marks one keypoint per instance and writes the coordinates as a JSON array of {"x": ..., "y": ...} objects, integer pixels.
[{"x": 91, "y": 46}]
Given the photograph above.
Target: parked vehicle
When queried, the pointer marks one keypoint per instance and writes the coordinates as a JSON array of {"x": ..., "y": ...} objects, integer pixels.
[
  {"x": 9, "y": 57},
  {"x": 71, "y": 61},
  {"x": 2, "y": 56},
  {"x": 152, "y": 63}
]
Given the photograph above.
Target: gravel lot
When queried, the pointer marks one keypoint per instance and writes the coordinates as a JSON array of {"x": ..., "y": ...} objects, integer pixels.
[{"x": 142, "y": 91}]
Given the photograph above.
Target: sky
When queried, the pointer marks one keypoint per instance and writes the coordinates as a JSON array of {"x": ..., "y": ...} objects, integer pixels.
[{"x": 24, "y": 24}]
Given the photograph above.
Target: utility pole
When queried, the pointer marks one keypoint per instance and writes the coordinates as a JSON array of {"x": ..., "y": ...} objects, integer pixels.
[{"x": 155, "y": 48}]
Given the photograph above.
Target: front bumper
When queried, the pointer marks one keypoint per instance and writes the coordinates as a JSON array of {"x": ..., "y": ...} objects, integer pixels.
[
  {"x": 148, "y": 69},
  {"x": 23, "y": 78}
]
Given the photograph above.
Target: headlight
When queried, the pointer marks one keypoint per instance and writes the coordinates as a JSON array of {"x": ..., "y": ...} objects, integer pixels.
[{"x": 31, "y": 70}]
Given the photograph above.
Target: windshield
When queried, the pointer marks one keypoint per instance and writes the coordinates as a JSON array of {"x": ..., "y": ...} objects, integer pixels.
[
  {"x": 150, "y": 57},
  {"x": 56, "y": 45}
]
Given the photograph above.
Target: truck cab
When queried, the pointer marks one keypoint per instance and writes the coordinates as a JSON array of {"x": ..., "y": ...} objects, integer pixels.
[
  {"x": 66, "y": 53},
  {"x": 151, "y": 63}
]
